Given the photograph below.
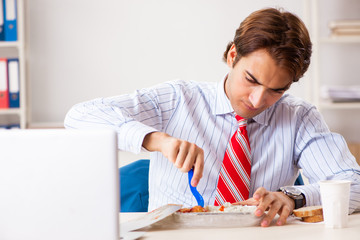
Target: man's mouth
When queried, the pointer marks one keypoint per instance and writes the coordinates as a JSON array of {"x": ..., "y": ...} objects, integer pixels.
[{"x": 248, "y": 106}]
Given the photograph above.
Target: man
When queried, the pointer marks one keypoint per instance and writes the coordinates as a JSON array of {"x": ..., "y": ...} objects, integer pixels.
[{"x": 188, "y": 124}]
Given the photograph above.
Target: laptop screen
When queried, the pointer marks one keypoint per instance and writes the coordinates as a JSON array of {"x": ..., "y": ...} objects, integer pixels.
[{"x": 59, "y": 184}]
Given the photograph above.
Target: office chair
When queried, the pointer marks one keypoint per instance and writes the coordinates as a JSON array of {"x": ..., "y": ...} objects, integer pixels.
[{"x": 134, "y": 193}]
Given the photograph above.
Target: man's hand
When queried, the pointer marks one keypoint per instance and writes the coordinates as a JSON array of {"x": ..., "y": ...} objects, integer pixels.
[
  {"x": 183, "y": 154},
  {"x": 274, "y": 203}
]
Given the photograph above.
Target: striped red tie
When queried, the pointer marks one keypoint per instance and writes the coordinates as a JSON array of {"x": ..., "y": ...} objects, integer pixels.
[{"x": 234, "y": 178}]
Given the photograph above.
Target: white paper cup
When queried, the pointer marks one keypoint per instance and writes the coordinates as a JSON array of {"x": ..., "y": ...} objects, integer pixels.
[{"x": 335, "y": 202}]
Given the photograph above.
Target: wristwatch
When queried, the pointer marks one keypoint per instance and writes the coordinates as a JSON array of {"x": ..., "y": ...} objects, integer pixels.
[{"x": 295, "y": 194}]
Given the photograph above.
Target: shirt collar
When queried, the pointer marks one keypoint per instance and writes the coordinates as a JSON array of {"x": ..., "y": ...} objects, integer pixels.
[
  {"x": 222, "y": 102},
  {"x": 262, "y": 118}
]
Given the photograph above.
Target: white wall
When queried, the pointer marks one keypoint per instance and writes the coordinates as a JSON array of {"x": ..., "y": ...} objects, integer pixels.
[{"x": 83, "y": 49}]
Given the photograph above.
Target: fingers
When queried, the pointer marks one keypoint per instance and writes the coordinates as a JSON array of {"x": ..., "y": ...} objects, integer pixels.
[
  {"x": 198, "y": 168},
  {"x": 285, "y": 212},
  {"x": 259, "y": 193},
  {"x": 274, "y": 203},
  {"x": 259, "y": 196},
  {"x": 273, "y": 210},
  {"x": 179, "y": 155},
  {"x": 248, "y": 202},
  {"x": 185, "y": 156}
]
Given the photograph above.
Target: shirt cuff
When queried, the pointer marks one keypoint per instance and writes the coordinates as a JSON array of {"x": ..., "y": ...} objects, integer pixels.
[
  {"x": 131, "y": 136},
  {"x": 312, "y": 194}
]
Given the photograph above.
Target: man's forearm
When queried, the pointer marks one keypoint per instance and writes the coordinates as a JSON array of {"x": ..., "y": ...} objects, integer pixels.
[{"x": 152, "y": 141}]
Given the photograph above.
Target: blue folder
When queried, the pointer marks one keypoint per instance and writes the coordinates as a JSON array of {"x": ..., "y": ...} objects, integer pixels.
[
  {"x": 2, "y": 19},
  {"x": 14, "y": 83},
  {"x": 10, "y": 20}
]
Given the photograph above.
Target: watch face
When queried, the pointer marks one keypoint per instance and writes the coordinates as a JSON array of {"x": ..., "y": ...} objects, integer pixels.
[
  {"x": 292, "y": 190},
  {"x": 295, "y": 194}
]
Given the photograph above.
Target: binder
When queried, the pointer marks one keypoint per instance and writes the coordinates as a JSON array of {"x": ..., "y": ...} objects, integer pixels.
[
  {"x": 4, "y": 93},
  {"x": 14, "y": 83},
  {"x": 10, "y": 20},
  {"x": 13, "y": 126},
  {"x": 2, "y": 30},
  {"x": 9, "y": 126}
]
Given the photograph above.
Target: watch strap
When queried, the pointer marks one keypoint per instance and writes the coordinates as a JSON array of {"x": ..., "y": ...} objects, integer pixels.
[{"x": 299, "y": 201}]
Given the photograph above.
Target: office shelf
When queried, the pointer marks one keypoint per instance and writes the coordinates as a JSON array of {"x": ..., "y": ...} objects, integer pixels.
[{"x": 16, "y": 49}]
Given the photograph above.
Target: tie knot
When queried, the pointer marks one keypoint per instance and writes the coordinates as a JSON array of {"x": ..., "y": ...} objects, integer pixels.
[{"x": 241, "y": 121}]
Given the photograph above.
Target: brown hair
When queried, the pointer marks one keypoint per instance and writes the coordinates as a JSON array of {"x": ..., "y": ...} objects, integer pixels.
[{"x": 282, "y": 34}]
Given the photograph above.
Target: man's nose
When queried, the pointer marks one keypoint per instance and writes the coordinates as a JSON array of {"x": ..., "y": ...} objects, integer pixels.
[{"x": 258, "y": 96}]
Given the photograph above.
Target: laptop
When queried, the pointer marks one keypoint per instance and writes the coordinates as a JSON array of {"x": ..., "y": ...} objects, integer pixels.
[{"x": 59, "y": 184}]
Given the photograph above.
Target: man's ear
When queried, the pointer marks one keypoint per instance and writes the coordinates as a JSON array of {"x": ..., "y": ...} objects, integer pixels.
[{"x": 231, "y": 55}]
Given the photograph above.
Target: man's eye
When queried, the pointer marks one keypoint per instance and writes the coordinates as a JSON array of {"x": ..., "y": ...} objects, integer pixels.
[
  {"x": 278, "y": 91},
  {"x": 250, "y": 80}
]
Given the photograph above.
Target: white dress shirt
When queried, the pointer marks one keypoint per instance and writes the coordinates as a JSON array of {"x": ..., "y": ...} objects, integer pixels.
[{"x": 288, "y": 136}]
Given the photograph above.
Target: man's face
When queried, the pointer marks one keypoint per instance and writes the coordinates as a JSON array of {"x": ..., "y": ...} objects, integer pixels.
[{"x": 255, "y": 82}]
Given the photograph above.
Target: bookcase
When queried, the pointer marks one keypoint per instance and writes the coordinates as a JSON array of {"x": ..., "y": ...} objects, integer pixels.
[
  {"x": 335, "y": 62},
  {"x": 335, "y": 58},
  {"x": 16, "y": 116}
]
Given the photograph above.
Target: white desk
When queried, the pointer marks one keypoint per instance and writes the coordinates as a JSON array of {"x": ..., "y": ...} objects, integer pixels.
[{"x": 294, "y": 229}]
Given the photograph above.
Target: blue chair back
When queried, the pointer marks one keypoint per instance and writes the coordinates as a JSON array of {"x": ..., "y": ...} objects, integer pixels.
[
  {"x": 134, "y": 187},
  {"x": 299, "y": 180}
]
